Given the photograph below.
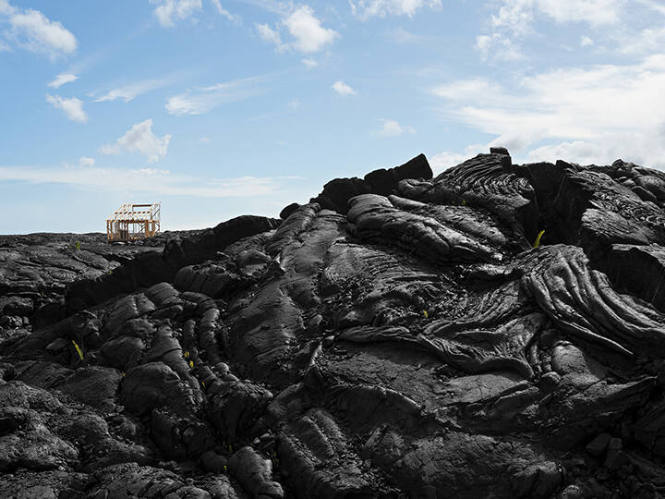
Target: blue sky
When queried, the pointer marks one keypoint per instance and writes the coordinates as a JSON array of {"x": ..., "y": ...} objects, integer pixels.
[{"x": 218, "y": 108}]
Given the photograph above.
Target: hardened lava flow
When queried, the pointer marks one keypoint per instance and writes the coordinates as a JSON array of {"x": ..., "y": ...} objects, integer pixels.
[{"x": 495, "y": 331}]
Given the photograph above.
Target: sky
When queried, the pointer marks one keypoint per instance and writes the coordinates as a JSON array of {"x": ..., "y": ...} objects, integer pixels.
[{"x": 218, "y": 108}]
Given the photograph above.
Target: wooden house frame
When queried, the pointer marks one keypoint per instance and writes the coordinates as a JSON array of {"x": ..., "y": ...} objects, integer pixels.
[{"x": 133, "y": 222}]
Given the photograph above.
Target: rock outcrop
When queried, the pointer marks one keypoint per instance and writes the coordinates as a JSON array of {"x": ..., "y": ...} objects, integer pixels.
[{"x": 495, "y": 331}]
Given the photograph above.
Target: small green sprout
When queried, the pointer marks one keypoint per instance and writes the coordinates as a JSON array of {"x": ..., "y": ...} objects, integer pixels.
[
  {"x": 191, "y": 364},
  {"x": 230, "y": 449},
  {"x": 186, "y": 355},
  {"x": 463, "y": 202},
  {"x": 203, "y": 384},
  {"x": 77, "y": 245},
  {"x": 78, "y": 349},
  {"x": 425, "y": 314},
  {"x": 225, "y": 469},
  {"x": 536, "y": 243}
]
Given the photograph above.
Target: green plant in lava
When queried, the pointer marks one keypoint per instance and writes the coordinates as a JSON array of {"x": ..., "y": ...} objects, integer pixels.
[
  {"x": 78, "y": 349},
  {"x": 536, "y": 243}
]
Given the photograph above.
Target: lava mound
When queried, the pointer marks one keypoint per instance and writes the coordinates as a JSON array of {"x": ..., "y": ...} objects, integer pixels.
[{"x": 495, "y": 331}]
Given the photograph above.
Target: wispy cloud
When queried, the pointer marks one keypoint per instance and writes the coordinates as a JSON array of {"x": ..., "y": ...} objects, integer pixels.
[
  {"x": 392, "y": 128},
  {"x": 364, "y": 9},
  {"x": 655, "y": 5},
  {"x": 342, "y": 88},
  {"x": 204, "y": 99},
  {"x": 306, "y": 32},
  {"x": 514, "y": 20},
  {"x": 270, "y": 35},
  {"x": 568, "y": 109},
  {"x": 400, "y": 35},
  {"x": 85, "y": 161},
  {"x": 140, "y": 138},
  {"x": 444, "y": 160},
  {"x": 168, "y": 12},
  {"x": 309, "y": 62},
  {"x": 145, "y": 180},
  {"x": 62, "y": 79},
  {"x": 499, "y": 46},
  {"x": 129, "y": 92},
  {"x": 646, "y": 41},
  {"x": 223, "y": 12},
  {"x": 72, "y": 107},
  {"x": 32, "y": 30},
  {"x": 274, "y": 6}
]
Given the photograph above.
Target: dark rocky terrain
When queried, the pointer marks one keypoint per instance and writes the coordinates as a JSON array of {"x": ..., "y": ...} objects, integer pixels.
[{"x": 398, "y": 336}]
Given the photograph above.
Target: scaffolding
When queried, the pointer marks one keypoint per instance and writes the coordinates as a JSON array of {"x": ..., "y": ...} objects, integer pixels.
[{"x": 133, "y": 222}]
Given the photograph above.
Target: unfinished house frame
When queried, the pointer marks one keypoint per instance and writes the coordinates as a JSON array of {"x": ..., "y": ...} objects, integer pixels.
[{"x": 133, "y": 222}]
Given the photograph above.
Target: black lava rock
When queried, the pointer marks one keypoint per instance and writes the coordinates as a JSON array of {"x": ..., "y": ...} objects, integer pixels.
[{"x": 495, "y": 331}]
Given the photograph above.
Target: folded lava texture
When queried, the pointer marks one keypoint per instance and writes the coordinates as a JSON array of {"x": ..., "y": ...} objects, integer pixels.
[{"x": 496, "y": 331}]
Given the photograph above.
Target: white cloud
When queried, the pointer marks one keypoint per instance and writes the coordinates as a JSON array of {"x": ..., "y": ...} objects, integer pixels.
[
  {"x": 140, "y": 138},
  {"x": 6, "y": 8},
  {"x": 518, "y": 15},
  {"x": 365, "y": 9},
  {"x": 342, "y": 88},
  {"x": 593, "y": 12},
  {"x": 392, "y": 128},
  {"x": 499, "y": 46},
  {"x": 270, "y": 35},
  {"x": 72, "y": 107},
  {"x": 309, "y": 63},
  {"x": 62, "y": 79},
  {"x": 463, "y": 90},
  {"x": 205, "y": 99},
  {"x": 654, "y": 5},
  {"x": 85, "y": 161},
  {"x": 148, "y": 181},
  {"x": 307, "y": 31},
  {"x": 275, "y": 6},
  {"x": 32, "y": 30},
  {"x": 580, "y": 111},
  {"x": 400, "y": 35},
  {"x": 307, "y": 34},
  {"x": 444, "y": 160},
  {"x": 129, "y": 92},
  {"x": 646, "y": 41},
  {"x": 514, "y": 15},
  {"x": 168, "y": 11},
  {"x": 223, "y": 12},
  {"x": 153, "y": 171},
  {"x": 586, "y": 41},
  {"x": 515, "y": 18},
  {"x": 204, "y": 140},
  {"x": 483, "y": 44}
]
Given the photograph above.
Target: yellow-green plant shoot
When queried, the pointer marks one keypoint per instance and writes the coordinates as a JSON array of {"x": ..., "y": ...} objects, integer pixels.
[
  {"x": 78, "y": 349},
  {"x": 536, "y": 243}
]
